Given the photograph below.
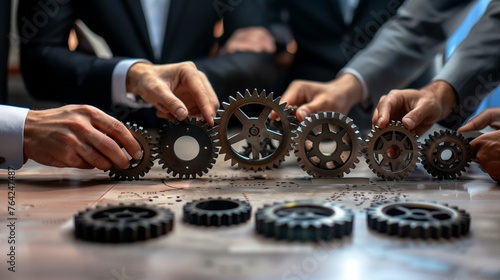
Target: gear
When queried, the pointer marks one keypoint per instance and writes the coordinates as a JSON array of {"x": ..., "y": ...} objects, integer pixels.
[
  {"x": 255, "y": 130},
  {"x": 123, "y": 223},
  {"x": 392, "y": 153},
  {"x": 327, "y": 145},
  {"x": 446, "y": 154},
  {"x": 217, "y": 212},
  {"x": 418, "y": 219},
  {"x": 304, "y": 220},
  {"x": 207, "y": 150},
  {"x": 138, "y": 168}
]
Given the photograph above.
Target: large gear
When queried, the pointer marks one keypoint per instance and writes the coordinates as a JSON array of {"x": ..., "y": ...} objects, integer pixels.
[
  {"x": 418, "y": 219},
  {"x": 392, "y": 153},
  {"x": 327, "y": 145},
  {"x": 446, "y": 154},
  {"x": 217, "y": 212},
  {"x": 207, "y": 150},
  {"x": 255, "y": 130},
  {"x": 123, "y": 223},
  {"x": 304, "y": 220},
  {"x": 138, "y": 168}
]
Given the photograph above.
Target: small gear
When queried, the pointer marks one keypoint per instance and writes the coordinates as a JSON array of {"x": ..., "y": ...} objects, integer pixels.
[
  {"x": 304, "y": 220},
  {"x": 138, "y": 168},
  {"x": 123, "y": 223},
  {"x": 187, "y": 167},
  {"x": 446, "y": 154},
  {"x": 217, "y": 212},
  {"x": 327, "y": 145},
  {"x": 418, "y": 219},
  {"x": 255, "y": 130},
  {"x": 392, "y": 153}
]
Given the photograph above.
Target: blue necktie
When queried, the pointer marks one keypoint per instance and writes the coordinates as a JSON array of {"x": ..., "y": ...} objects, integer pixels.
[{"x": 493, "y": 100}]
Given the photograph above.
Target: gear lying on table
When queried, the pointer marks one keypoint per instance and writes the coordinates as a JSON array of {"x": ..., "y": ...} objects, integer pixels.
[
  {"x": 255, "y": 130},
  {"x": 327, "y": 145},
  {"x": 392, "y": 153},
  {"x": 123, "y": 223},
  {"x": 304, "y": 220},
  {"x": 138, "y": 168},
  {"x": 187, "y": 167},
  {"x": 217, "y": 212},
  {"x": 418, "y": 219},
  {"x": 446, "y": 154}
]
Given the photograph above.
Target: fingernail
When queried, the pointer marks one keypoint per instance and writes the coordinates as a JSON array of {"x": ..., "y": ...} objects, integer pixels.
[
  {"x": 410, "y": 123},
  {"x": 181, "y": 113},
  {"x": 138, "y": 155},
  {"x": 301, "y": 114}
]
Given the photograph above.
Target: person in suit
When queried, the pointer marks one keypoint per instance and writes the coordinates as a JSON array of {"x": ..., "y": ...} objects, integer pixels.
[
  {"x": 403, "y": 48},
  {"x": 143, "y": 36},
  {"x": 5, "y": 9}
]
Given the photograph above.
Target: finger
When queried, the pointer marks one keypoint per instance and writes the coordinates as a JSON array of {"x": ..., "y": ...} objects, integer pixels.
[
  {"x": 384, "y": 111},
  {"x": 165, "y": 115},
  {"x": 480, "y": 121},
  {"x": 193, "y": 81},
  {"x": 294, "y": 96},
  {"x": 158, "y": 93},
  {"x": 94, "y": 158},
  {"x": 214, "y": 101},
  {"x": 119, "y": 132},
  {"x": 107, "y": 147},
  {"x": 376, "y": 114}
]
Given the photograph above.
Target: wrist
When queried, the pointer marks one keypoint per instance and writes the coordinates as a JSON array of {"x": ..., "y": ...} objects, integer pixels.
[
  {"x": 133, "y": 75},
  {"x": 350, "y": 86},
  {"x": 445, "y": 94}
]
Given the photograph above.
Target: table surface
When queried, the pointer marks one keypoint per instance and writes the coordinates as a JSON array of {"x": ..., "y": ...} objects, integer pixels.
[{"x": 47, "y": 198}]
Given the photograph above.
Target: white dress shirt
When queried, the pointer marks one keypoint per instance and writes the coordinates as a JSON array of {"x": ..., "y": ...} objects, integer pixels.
[
  {"x": 12, "y": 136},
  {"x": 156, "y": 15}
]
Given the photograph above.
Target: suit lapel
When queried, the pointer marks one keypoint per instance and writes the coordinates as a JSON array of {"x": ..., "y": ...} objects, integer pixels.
[
  {"x": 175, "y": 15},
  {"x": 134, "y": 8}
]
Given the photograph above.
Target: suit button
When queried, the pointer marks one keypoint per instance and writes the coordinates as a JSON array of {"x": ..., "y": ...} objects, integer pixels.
[{"x": 2, "y": 160}]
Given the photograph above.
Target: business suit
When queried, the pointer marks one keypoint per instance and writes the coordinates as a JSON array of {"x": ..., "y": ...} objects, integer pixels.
[
  {"x": 409, "y": 43},
  {"x": 51, "y": 71},
  {"x": 4, "y": 47}
]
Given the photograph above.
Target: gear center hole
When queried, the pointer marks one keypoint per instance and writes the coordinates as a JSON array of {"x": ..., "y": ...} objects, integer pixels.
[
  {"x": 446, "y": 155},
  {"x": 186, "y": 148},
  {"x": 327, "y": 147},
  {"x": 393, "y": 151},
  {"x": 217, "y": 205}
]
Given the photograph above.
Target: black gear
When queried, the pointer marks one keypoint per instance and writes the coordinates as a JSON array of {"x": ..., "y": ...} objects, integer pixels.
[
  {"x": 338, "y": 130},
  {"x": 217, "y": 212},
  {"x": 402, "y": 142},
  {"x": 255, "y": 130},
  {"x": 418, "y": 219},
  {"x": 437, "y": 163},
  {"x": 304, "y": 220},
  {"x": 199, "y": 131},
  {"x": 138, "y": 168},
  {"x": 123, "y": 223}
]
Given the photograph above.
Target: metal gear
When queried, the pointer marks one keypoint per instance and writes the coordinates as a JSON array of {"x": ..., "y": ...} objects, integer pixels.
[
  {"x": 446, "y": 154},
  {"x": 123, "y": 223},
  {"x": 255, "y": 130},
  {"x": 418, "y": 219},
  {"x": 327, "y": 145},
  {"x": 217, "y": 212},
  {"x": 392, "y": 153},
  {"x": 138, "y": 168},
  {"x": 207, "y": 150},
  {"x": 304, "y": 220}
]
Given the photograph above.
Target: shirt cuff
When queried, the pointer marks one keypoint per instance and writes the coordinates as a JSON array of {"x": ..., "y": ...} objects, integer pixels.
[
  {"x": 119, "y": 94},
  {"x": 12, "y": 122}
]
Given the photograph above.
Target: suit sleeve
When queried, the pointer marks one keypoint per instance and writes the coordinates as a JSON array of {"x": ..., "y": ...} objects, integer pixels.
[
  {"x": 50, "y": 70},
  {"x": 405, "y": 46},
  {"x": 473, "y": 69}
]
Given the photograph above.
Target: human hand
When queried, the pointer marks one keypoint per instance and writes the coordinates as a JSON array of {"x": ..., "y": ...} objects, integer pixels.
[
  {"x": 175, "y": 90},
  {"x": 78, "y": 136},
  {"x": 486, "y": 147},
  {"x": 419, "y": 110},
  {"x": 339, "y": 95},
  {"x": 250, "y": 39}
]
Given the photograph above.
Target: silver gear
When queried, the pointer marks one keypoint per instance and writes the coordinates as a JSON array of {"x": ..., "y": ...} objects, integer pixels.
[
  {"x": 304, "y": 220},
  {"x": 338, "y": 131},
  {"x": 138, "y": 168},
  {"x": 204, "y": 160},
  {"x": 402, "y": 141},
  {"x": 418, "y": 219},
  {"x": 433, "y": 157},
  {"x": 255, "y": 130}
]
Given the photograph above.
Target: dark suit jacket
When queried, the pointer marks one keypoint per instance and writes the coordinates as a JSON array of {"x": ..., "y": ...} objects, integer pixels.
[
  {"x": 51, "y": 71},
  {"x": 325, "y": 42},
  {"x": 4, "y": 47}
]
